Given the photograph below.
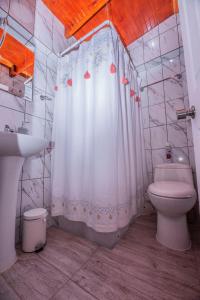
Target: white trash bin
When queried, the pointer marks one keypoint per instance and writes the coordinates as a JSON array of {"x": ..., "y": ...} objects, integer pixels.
[{"x": 34, "y": 230}]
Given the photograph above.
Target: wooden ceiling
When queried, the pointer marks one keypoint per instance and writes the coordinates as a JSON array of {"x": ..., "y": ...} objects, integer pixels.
[
  {"x": 17, "y": 57},
  {"x": 132, "y": 18}
]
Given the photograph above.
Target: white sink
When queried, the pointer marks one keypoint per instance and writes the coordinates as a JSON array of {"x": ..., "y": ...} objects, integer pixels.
[
  {"x": 17, "y": 144},
  {"x": 14, "y": 148}
]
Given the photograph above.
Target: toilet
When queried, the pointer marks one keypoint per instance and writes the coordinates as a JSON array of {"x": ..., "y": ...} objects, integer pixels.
[{"x": 173, "y": 195}]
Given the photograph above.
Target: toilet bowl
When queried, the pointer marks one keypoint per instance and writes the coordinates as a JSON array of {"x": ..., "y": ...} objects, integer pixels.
[{"x": 173, "y": 195}]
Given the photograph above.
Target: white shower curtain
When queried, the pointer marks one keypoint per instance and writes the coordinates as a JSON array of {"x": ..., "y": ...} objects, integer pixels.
[{"x": 98, "y": 170}]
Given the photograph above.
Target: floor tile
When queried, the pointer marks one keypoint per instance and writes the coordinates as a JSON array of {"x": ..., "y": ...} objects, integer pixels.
[
  {"x": 72, "y": 291},
  {"x": 6, "y": 292},
  {"x": 33, "y": 278},
  {"x": 67, "y": 252}
]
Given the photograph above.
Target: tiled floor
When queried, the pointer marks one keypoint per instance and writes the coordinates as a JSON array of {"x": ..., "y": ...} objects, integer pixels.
[{"x": 137, "y": 268}]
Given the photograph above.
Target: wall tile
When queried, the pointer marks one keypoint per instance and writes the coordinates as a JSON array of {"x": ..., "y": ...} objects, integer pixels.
[
  {"x": 139, "y": 42},
  {"x": 151, "y": 49},
  {"x": 44, "y": 25},
  {"x": 144, "y": 98},
  {"x": 151, "y": 34},
  {"x": 32, "y": 194},
  {"x": 37, "y": 106},
  {"x": 158, "y": 157},
  {"x": 40, "y": 76},
  {"x": 189, "y": 133},
  {"x": 171, "y": 64},
  {"x": 12, "y": 101},
  {"x": 177, "y": 134},
  {"x": 172, "y": 107},
  {"x": 173, "y": 89},
  {"x": 167, "y": 24},
  {"x": 169, "y": 40},
  {"x": 180, "y": 155},
  {"x": 154, "y": 71},
  {"x": 59, "y": 40},
  {"x": 5, "y": 5},
  {"x": 156, "y": 93},
  {"x": 158, "y": 137},
  {"x": 11, "y": 117},
  {"x": 34, "y": 167},
  {"x": 47, "y": 192},
  {"x": 24, "y": 12},
  {"x": 137, "y": 55},
  {"x": 157, "y": 115},
  {"x": 191, "y": 158},
  {"x": 35, "y": 125}
]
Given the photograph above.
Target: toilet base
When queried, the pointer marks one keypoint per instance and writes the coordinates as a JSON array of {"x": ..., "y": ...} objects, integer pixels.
[{"x": 172, "y": 232}]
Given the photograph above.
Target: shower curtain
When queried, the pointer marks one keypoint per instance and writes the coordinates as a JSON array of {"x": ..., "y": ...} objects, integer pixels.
[{"x": 98, "y": 170}]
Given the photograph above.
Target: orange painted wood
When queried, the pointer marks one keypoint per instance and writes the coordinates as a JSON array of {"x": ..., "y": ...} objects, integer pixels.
[
  {"x": 132, "y": 18},
  {"x": 14, "y": 54},
  {"x": 88, "y": 15}
]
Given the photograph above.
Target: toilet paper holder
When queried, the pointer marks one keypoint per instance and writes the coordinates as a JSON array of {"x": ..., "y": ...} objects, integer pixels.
[{"x": 184, "y": 113}]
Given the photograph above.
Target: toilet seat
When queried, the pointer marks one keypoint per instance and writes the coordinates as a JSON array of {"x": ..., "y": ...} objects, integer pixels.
[{"x": 172, "y": 189}]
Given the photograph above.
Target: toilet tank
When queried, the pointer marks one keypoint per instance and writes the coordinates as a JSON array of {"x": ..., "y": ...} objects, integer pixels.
[{"x": 173, "y": 172}]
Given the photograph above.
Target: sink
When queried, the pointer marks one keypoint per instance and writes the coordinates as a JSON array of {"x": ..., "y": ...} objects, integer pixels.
[
  {"x": 14, "y": 148},
  {"x": 17, "y": 144}
]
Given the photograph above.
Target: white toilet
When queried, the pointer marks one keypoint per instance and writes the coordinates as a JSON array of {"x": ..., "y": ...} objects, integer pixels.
[{"x": 173, "y": 195}]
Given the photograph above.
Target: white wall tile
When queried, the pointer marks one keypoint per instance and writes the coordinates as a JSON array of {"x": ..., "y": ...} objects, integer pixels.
[
  {"x": 151, "y": 49},
  {"x": 172, "y": 107},
  {"x": 156, "y": 93},
  {"x": 167, "y": 24},
  {"x": 158, "y": 137},
  {"x": 173, "y": 89},
  {"x": 169, "y": 40},
  {"x": 157, "y": 115},
  {"x": 177, "y": 134}
]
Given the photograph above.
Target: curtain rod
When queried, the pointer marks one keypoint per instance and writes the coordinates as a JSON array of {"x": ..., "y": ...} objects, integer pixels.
[{"x": 107, "y": 22}]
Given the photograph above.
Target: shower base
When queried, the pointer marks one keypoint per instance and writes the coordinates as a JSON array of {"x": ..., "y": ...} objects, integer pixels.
[{"x": 108, "y": 240}]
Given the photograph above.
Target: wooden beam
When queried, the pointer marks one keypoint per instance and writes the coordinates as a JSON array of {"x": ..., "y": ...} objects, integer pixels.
[{"x": 89, "y": 14}]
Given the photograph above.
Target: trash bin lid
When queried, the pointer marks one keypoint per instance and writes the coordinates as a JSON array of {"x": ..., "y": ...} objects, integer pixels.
[{"x": 34, "y": 214}]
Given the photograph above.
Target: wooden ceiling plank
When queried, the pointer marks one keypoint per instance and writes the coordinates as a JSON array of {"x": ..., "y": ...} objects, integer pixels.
[{"x": 98, "y": 6}]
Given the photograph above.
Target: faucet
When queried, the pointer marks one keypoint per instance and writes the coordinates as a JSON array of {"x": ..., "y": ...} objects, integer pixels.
[{"x": 8, "y": 129}]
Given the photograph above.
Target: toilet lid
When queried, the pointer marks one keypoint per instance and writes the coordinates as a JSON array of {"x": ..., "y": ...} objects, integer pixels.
[{"x": 172, "y": 189}]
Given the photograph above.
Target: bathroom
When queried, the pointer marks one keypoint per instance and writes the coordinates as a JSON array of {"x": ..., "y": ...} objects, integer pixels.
[{"x": 99, "y": 149}]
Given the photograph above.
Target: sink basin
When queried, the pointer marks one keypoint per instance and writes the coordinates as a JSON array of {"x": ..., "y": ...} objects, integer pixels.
[
  {"x": 17, "y": 144},
  {"x": 14, "y": 148}
]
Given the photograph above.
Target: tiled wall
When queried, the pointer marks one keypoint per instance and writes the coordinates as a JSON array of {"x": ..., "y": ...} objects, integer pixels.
[
  {"x": 34, "y": 186},
  {"x": 159, "y": 58}
]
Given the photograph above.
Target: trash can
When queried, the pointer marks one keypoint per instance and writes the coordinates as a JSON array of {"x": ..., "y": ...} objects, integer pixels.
[{"x": 34, "y": 230}]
